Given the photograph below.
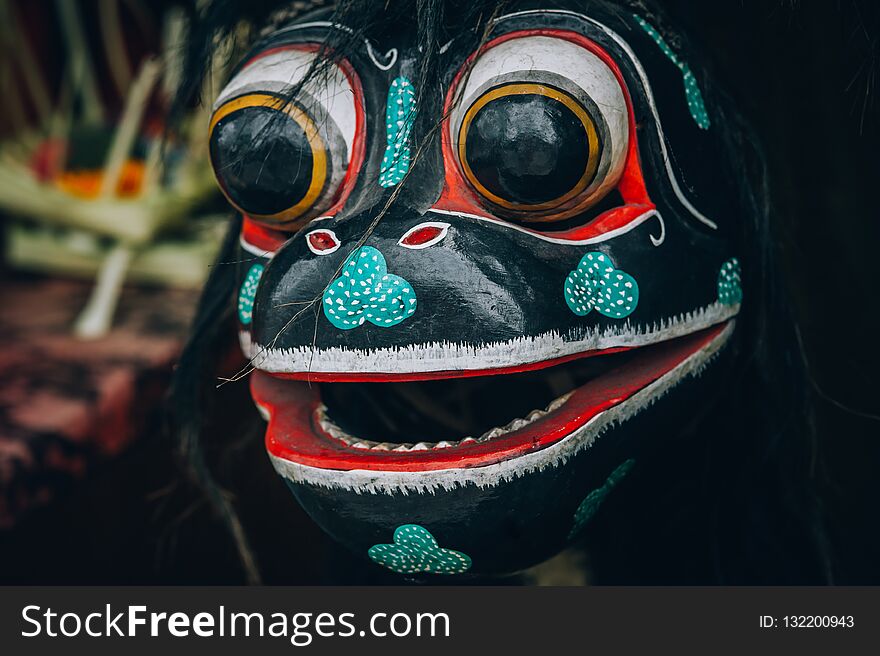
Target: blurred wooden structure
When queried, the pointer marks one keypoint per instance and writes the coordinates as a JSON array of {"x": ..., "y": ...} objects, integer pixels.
[{"x": 96, "y": 186}]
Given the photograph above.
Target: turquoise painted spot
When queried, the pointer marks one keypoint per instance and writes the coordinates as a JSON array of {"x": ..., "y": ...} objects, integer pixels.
[
  {"x": 594, "y": 499},
  {"x": 415, "y": 550},
  {"x": 365, "y": 291},
  {"x": 399, "y": 116},
  {"x": 597, "y": 285},
  {"x": 730, "y": 283},
  {"x": 692, "y": 91},
  {"x": 247, "y": 293}
]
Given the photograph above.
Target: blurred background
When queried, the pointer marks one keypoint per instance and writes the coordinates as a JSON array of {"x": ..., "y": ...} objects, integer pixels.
[{"x": 110, "y": 226}]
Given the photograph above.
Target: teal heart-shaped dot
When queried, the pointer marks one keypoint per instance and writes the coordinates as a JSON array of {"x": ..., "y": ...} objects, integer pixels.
[
  {"x": 365, "y": 291},
  {"x": 416, "y": 551},
  {"x": 594, "y": 499},
  {"x": 247, "y": 293},
  {"x": 597, "y": 285},
  {"x": 730, "y": 283}
]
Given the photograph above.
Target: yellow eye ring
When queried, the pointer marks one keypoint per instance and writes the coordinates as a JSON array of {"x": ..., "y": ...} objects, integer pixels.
[
  {"x": 316, "y": 144},
  {"x": 531, "y": 89}
]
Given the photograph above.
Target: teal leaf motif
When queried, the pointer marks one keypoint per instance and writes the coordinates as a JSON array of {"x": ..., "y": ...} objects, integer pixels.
[
  {"x": 365, "y": 291},
  {"x": 415, "y": 550},
  {"x": 597, "y": 285},
  {"x": 247, "y": 293},
  {"x": 594, "y": 499},
  {"x": 400, "y": 113},
  {"x": 696, "y": 106},
  {"x": 730, "y": 283}
]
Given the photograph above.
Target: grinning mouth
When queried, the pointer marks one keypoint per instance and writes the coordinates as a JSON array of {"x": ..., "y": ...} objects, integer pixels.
[
  {"x": 466, "y": 422},
  {"x": 420, "y": 415}
]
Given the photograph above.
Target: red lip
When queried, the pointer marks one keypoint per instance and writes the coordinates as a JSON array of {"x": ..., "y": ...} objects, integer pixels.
[{"x": 294, "y": 433}]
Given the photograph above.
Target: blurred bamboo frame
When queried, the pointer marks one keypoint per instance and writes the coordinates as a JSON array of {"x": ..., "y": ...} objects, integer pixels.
[{"x": 133, "y": 223}]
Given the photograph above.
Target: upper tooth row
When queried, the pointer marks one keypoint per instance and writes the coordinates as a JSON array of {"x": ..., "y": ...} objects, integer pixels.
[{"x": 334, "y": 431}]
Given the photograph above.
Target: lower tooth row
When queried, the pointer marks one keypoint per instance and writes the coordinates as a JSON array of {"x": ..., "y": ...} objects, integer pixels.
[{"x": 334, "y": 431}]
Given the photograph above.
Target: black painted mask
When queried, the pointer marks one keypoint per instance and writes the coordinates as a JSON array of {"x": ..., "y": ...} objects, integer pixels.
[{"x": 464, "y": 339}]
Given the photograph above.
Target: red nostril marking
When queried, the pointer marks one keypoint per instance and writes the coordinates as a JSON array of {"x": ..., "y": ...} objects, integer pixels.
[
  {"x": 424, "y": 235},
  {"x": 421, "y": 236},
  {"x": 322, "y": 242}
]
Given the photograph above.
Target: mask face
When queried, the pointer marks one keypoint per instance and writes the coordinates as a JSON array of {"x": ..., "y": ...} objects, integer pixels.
[{"x": 453, "y": 382}]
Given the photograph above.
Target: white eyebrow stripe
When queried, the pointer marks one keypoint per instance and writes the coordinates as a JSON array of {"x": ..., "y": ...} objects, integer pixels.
[
  {"x": 598, "y": 239},
  {"x": 643, "y": 76},
  {"x": 304, "y": 26},
  {"x": 391, "y": 54}
]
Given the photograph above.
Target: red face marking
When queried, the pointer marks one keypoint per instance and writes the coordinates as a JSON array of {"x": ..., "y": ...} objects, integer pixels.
[
  {"x": 424, "y": 235},
  {"x": 420, "y": 236},
  {"x": 322, "y": 242}
]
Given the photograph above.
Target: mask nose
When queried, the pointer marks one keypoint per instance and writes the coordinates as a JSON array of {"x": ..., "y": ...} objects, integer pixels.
[
  {"x": 356, "y": 294},
  {"x": 352, "y": 272},
  {"x": 323, "y": 241}
]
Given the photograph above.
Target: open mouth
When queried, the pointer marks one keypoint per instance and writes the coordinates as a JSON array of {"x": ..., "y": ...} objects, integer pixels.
[
  {"x": 468, "y": 422},
  {"x": 435, "y": 414}
]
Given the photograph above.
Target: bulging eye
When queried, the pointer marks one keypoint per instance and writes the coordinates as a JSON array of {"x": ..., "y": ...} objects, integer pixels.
[
  {"x": 281, "y": 160},
  {"x": 269, "y": 157},
  {"x": 528, "y": 147},
  {"x": 541, "y": 130}
]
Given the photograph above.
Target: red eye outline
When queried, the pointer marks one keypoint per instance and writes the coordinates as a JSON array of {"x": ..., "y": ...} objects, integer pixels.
[
  {"x": 458, "y": 197},
  {"x": 432, "y": 232}
]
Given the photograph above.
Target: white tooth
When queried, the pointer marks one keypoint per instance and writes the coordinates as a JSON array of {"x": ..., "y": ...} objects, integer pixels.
[
  {"x": 402, "y": 447},
  {"x": 443, "y": 445},
  {"x": 382, "y": 446},
  {"x": 516, "y": 424},
  {"x": 495, "y": 432},
  {"x": 421, "y": 446},
  {"x": 361, "y": 445},
  {"x": 535, "y": 414},
  {"x": 264, "y": 412},
  {"x": 467, "y": 440},
  {"x": 558, "y": 403},
  {"x": 333, "y": 430}
]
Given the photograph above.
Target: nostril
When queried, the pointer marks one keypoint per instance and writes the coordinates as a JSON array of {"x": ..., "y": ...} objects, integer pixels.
[
  {"x": 322, "y": 242},
  {"x": 424, "y": 235}
]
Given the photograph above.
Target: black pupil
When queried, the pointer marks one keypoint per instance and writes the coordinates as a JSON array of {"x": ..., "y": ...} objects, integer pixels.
[
  {"x": 527, "y": 148},
  {"x": 262, "y": 158}
]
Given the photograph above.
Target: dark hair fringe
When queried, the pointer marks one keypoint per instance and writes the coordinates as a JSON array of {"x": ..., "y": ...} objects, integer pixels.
[
  {"x": 760, "y": 429},
  {"x": 194, "y": 381},
  {"x": 768, "y": 406},
  {"x": 769, "y": 393}
]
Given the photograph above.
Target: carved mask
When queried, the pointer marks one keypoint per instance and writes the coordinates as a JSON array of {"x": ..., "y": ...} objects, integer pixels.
[{"x": 465, "y": 339}]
